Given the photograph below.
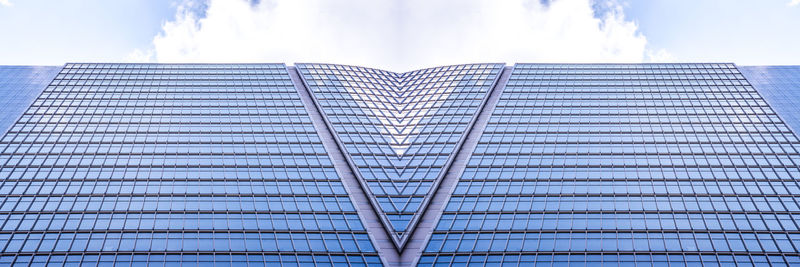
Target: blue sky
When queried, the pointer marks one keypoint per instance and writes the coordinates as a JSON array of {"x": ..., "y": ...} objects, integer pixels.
[
  {"x": 400, "y": 34},
  {"x": 54, "y": 32},
  {"x": 757, "y": 32}
]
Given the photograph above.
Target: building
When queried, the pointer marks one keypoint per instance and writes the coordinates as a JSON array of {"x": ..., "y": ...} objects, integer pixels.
[
  {"x": 325, "y": 164},
  {"x": 780, "y": 86},
  {"x": 19, "y": 86}
]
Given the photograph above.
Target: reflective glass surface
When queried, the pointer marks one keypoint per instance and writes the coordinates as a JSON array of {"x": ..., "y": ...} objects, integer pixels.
[
  {"x": 19, "y": 86},
  {"x": 780, "y": 86},
  {"x": 623, "y": 164},
  {"x": 400, "y": 129},
  {"x": 191, "y": 164},
  {"x": 220, "y": 164}
]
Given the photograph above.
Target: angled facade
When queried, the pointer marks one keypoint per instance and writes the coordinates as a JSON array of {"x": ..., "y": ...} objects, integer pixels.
[
  {"x": 780, "y": 86},
  {"x": 19, "y": 86},
  {"x": 326, "y": 164},
  {"x": 399, "y": 130},
  {"x": 166, "y": 164},
  {"x": 636, "y": 164}
]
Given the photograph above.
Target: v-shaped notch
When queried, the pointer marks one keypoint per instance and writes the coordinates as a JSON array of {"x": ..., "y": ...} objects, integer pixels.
[
  {"x": 399, "y": 115},
  {"x": 399, "y": 131}
]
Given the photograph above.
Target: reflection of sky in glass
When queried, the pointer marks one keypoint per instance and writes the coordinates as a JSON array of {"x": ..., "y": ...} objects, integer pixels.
[
  {"x": 19, "y": 85},
  {"x": 780, "y": 86},
  {"x": 212, "y": 160},
  {"x": 587, "y": 163},
  {"x": 399, "y": 129}
]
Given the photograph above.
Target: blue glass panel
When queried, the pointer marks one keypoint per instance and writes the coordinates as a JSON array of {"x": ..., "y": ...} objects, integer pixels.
[
  {"x": 780, "y": 86},
  {"x": 400, "y": 129},
  {"x": 626, "y": 164},
  {"x": 19, "y": 86},
  {"x": 173, "y": 164}
]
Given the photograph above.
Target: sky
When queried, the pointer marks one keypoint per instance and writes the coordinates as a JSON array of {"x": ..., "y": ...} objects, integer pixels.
[{"x": 400, "y": 35}]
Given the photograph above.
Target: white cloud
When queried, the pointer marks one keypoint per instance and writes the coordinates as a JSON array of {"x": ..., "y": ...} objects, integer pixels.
[
  {"x": 660, "y": 55},
  {"x": 793, "y": 3},
  {"x": 140, "y": 56},
  {"x": 400, "y": 35},
  {"x": 5, "y": 3}
]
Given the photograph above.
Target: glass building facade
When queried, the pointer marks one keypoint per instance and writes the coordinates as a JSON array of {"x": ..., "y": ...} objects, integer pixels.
[
  {"x": 780, "y": 86},
  {"x": 400, "y": 129},
  {"x": 238, "y": 164},
  {"x": 19, "y": 86},
  {"x": 645, "y": 164},
  {"x": 167, "y": 164}
]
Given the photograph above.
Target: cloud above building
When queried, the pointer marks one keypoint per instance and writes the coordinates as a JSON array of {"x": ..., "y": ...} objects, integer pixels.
[{"x": 399, "y": 35}]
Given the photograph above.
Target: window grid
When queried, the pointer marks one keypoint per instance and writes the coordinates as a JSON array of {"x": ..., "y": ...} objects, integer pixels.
[
  {"x": 637, "y": 163},
  {"x": 160, "y": 163},
  {"x": 780, "y": 86},
  {"x": 400, "y": 129},
  {"x": 19, "y": 86}
]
